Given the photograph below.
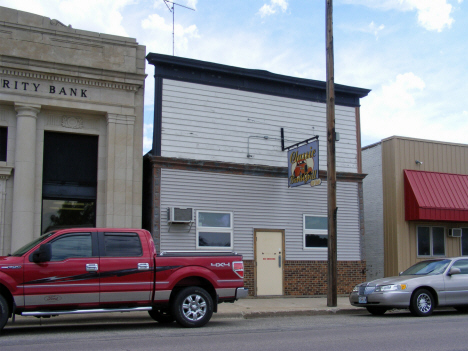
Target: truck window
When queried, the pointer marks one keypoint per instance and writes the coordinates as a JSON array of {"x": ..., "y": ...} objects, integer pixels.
[
  {"x": 72, "y": 246},
  {"x": 122, "y": 245}
]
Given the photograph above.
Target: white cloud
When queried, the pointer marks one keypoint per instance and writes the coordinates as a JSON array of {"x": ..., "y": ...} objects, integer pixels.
[
  {"x": 147, "y": 137},
  {"x": 273, "y": 7},
  {"x": 157, "y": 35},
  {"x": 392, "y": 109},
  {"x": 374, "y": 29},
  {"x": 434, "y": 15},
  {"x": 103, "y": 16}
]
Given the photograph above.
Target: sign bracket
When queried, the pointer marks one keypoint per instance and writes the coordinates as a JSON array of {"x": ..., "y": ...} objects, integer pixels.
[{"x": 283, "y": 148}]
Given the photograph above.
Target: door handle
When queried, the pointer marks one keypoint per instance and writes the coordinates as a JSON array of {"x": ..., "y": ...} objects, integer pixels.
[
  {"x": 143, "y": 266},
  {"x": 92, "y": 267},
  {"x": 279, "y": 261}
]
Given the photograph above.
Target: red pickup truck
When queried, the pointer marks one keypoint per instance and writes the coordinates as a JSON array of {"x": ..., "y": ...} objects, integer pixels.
[{"x": 93, "y": 270}]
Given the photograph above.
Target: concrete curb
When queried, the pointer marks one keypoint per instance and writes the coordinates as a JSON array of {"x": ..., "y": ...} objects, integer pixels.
[{"x": 292, "y": 313}]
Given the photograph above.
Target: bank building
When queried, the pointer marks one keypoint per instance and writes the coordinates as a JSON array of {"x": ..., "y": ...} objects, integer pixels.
[{"x": 71, "y": 128}]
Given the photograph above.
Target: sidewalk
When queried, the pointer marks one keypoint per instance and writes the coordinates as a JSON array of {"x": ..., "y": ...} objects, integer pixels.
[
  {"x": 245, "y": 308},
  {"x": 284, "y": 306}
]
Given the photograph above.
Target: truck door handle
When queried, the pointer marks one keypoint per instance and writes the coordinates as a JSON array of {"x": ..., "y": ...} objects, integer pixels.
[
  {"x": 143, "y": 266},
  {"x": 92, "y": 267}
]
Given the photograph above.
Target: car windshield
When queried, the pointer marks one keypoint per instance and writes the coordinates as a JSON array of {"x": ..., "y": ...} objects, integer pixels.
[
  {"x": 29, "y": 246},
  {"x": 427, "y": 268}
]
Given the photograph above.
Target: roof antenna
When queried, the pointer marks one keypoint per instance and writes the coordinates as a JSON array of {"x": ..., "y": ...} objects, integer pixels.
[{"x": 172, "y": 9}]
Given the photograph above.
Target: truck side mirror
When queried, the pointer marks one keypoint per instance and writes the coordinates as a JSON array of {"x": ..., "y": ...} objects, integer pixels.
[{"x": 42, "y": 254}]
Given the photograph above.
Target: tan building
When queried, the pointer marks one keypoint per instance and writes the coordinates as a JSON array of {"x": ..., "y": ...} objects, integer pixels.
[
  {"x": 71, "y": 128},
  {"x": 415, "y": 203}
]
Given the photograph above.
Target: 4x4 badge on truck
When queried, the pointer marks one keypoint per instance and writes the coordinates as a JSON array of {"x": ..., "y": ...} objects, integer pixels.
[{"x": 221, "y": 265}]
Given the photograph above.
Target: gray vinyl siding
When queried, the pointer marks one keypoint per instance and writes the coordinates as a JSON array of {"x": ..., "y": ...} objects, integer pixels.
[
  {"x": 204, "y": 122},
  {"x": 373, "y": 211},
  {"x": 258, "y": 203}
]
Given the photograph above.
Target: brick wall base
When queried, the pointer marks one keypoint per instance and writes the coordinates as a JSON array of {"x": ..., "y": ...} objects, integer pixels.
[{"x": 310, "y": 277}]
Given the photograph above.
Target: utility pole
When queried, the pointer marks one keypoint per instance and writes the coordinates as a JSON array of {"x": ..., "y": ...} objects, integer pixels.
[{"x": 331, "y": 162}]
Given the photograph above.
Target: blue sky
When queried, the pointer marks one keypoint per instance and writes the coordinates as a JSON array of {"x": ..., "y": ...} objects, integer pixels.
[{"x": 411, "y": 53}]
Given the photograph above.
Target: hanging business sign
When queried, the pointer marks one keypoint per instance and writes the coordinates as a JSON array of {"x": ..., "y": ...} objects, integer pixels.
[{"x": 303, "y": 165}]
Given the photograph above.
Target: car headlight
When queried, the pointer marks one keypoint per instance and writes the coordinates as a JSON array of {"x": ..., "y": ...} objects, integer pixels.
[
  {"x": 356, "y": 288},
  {"x": 390, "y": 287}
]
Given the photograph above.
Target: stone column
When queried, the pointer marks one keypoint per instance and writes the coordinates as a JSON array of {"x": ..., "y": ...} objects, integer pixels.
[
  {"x": 23, "y": 230},
  {"x": 5, "y": 173},
  {"x": 119, "y": 186}
]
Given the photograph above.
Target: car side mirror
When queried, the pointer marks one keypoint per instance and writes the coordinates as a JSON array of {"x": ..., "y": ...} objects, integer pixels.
[
  {"x": 454, "y": 270},
  {"x": 42, "y": 254}
]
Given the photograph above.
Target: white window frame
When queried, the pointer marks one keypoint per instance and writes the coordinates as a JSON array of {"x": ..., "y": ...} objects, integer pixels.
[
  {"x": 431, "y": 240},
  {"x": 203, "y": 229},
  {"x": 312, "y": 231}
]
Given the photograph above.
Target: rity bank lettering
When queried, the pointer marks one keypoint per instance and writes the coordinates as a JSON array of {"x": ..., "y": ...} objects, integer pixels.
[{"x": 51, "y": 89}]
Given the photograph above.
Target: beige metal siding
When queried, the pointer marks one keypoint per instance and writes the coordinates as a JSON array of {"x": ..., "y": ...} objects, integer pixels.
[{"x": 398, "y": 154}]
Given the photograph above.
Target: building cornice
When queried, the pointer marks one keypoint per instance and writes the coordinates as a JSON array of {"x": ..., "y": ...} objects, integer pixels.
[
  {"x": 96, "y": 82},
  {"x": 237, "y": 168},
  {"x": 259, "y": 81}
]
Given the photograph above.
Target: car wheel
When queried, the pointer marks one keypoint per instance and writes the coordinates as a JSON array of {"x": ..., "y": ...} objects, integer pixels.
[
  {"x": 422, "y": 303},
  {"x": 192, "y": 307},
  {"x": 4, "y": 312},
  {"x": 376, "y": 311},
  {"x": 161, "y": 316}
]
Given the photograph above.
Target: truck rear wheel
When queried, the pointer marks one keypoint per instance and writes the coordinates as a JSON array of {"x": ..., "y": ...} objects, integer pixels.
[
  {"x": 161, "y": 316},
  {"x": 4, "y": 312},
  {"x": 192, "y": 307}
]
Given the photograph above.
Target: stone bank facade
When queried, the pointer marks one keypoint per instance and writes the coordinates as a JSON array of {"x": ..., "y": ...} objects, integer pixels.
[{"x": 71, "y": 128}]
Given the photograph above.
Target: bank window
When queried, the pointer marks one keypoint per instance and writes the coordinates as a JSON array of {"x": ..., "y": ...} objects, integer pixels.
[
  {"x": 122, "y": 245},
  {"x": 3, "y": 143},
  {"x": 59, "y": 214},
  {"x": 431, "y": 241},
  {"x": 315, "y": 230},
  {"x": 72, "y": 246},
  {"x": 464, "y": 242},
  {"x": 214, "y": 230}
]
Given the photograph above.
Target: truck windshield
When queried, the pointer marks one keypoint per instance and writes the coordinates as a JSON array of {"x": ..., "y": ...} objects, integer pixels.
[
  {"x": 27, "y": 247},
  {"x": 427, "y": 268}
]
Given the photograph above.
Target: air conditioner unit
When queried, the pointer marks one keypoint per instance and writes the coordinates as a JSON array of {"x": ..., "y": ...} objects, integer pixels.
[
  {"x": 455, "y": 232},
  {"x": 179, "y": 215}
]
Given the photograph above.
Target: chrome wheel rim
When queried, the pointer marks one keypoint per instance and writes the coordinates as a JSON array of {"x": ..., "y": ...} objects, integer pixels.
[
  {"x": 194, "y": 307},
  {"x": 424, "y": 303}
]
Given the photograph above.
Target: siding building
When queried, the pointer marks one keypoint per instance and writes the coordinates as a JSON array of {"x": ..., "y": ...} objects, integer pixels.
[
  {"x": 71, "y": 128},
  {"x": 217, "y": 176},
  {"x": 415, "y": 201}
]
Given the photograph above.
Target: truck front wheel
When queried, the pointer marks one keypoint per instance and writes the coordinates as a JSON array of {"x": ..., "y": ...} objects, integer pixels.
[
  {"x": 4, "y": 312},
  {"x": 192, "y": 307}
]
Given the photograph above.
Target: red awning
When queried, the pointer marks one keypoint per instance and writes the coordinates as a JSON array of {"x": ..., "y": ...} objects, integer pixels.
[{"x": 433, "y": 196}]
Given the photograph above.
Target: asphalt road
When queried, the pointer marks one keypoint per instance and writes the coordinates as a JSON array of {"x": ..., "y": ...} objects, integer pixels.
[{"x": 393, "y": 331}]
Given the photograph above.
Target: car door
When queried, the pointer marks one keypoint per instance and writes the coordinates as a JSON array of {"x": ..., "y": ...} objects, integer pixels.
[
  {"x": 126, "y": 268},
  {"x": 70, "y": 278},
  {"x": 456, "y": 285}
]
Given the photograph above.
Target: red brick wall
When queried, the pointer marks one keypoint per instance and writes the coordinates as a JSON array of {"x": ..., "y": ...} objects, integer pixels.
[{"x": 310, "y": 277}]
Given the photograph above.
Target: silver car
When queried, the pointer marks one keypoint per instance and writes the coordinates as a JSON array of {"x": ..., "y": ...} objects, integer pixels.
[{"x": 421, "y": 288}]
